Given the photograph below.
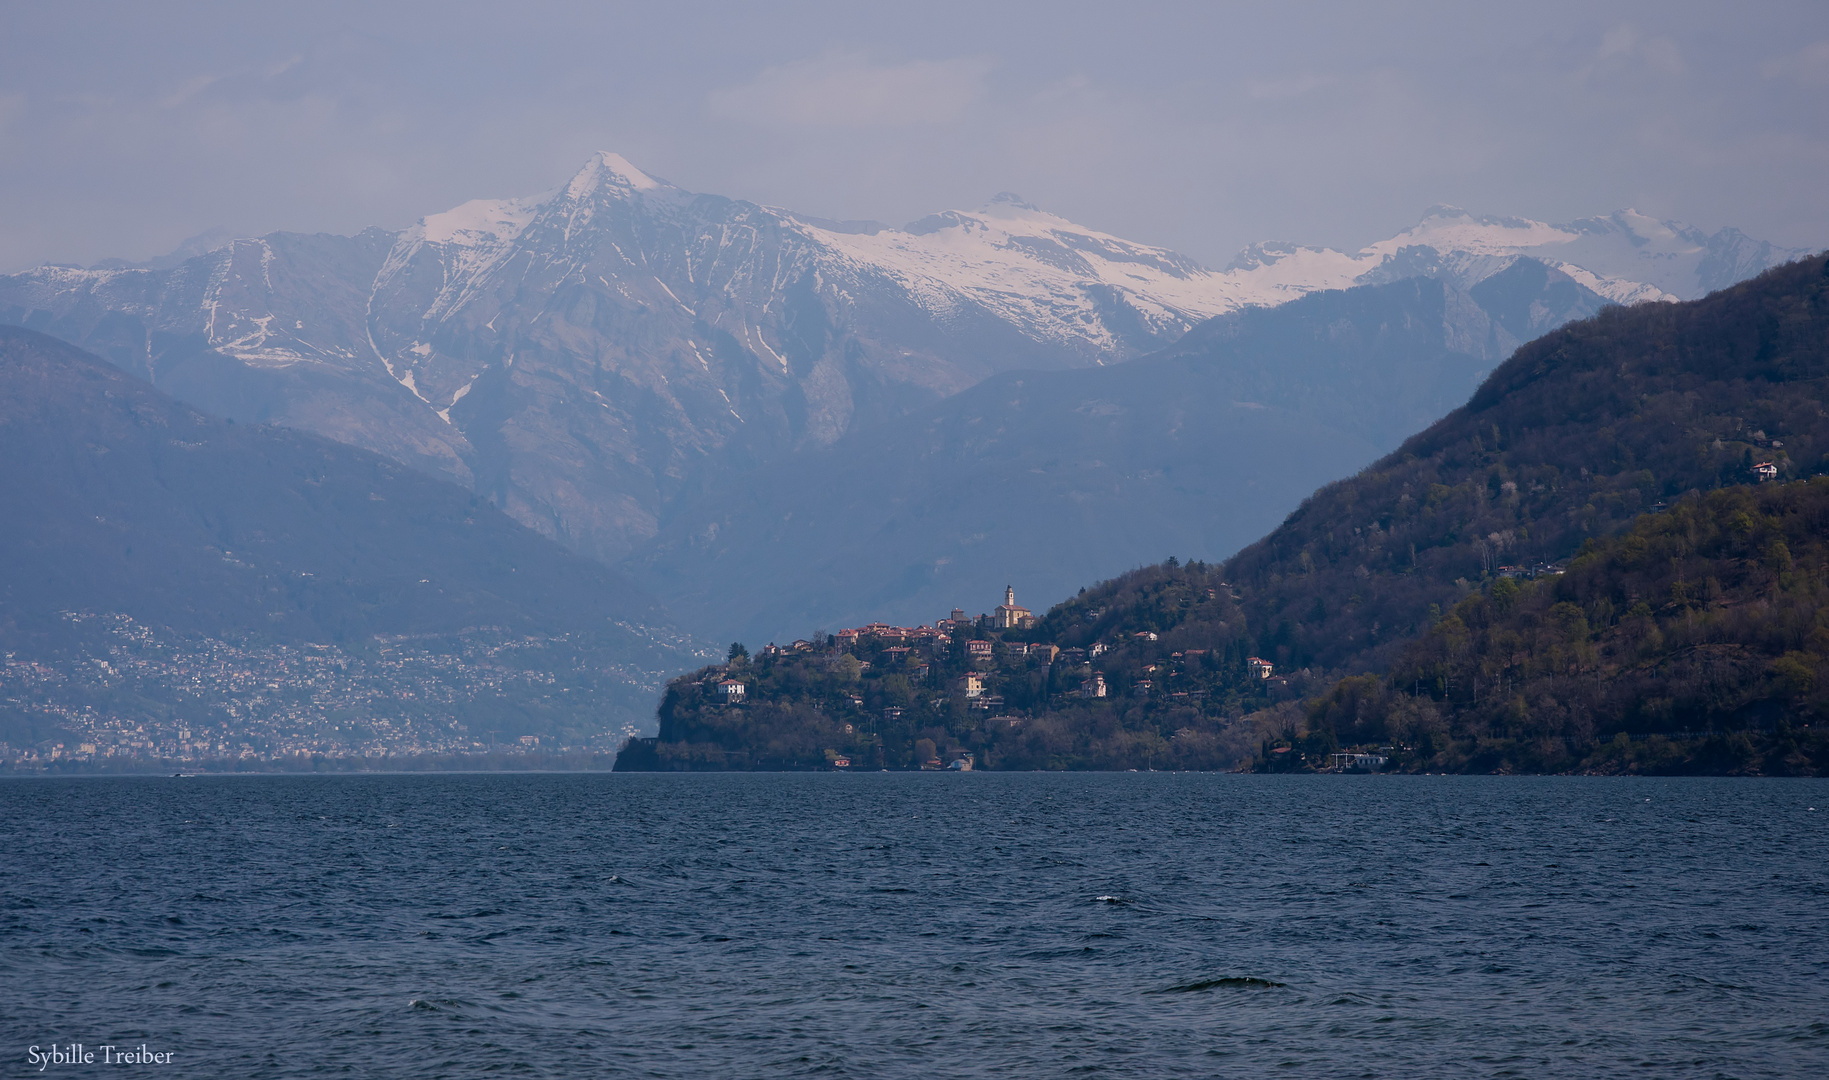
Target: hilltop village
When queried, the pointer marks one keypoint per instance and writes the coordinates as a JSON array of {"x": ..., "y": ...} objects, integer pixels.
[
  {"x": 1158, "y": 679},
  {"x": 1554, "y": 667}
]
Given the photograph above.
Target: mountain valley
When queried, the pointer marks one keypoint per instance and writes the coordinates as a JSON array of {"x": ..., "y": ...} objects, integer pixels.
[{"x": 1047, "y": 480}]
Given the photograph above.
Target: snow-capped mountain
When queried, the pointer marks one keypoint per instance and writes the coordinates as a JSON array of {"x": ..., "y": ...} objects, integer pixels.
[
  {"x": 1626, "y": 257},
  {"x": 591, "y": 356}
]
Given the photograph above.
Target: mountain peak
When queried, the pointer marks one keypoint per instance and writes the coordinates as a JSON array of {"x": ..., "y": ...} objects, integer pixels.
[
  {"x": 607, "y": 169},
  {"x": 1011, "y": 200}
]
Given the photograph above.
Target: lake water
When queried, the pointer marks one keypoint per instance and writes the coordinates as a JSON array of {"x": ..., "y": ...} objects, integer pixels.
[{"x": 933, "y": 925}]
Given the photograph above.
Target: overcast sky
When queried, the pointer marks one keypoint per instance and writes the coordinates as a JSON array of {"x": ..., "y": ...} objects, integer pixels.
[{"x": 127, "y": 127}]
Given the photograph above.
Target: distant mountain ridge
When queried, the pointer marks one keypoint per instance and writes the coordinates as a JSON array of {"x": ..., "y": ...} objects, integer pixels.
[
  {"x": 1626, "y": 256},
  {"x": 217, "y": 540},
  {"x": 1047, "y": 480},
  {"x": 593, "y": 358}
]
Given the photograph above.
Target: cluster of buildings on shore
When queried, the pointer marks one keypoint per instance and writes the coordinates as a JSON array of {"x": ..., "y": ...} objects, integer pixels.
[
  {"x": 901, "y": 644},
  {"x": 210, "y": 701}
]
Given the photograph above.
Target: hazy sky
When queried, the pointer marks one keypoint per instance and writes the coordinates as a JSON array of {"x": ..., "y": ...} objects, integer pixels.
[{"x": 126, "y": 127}]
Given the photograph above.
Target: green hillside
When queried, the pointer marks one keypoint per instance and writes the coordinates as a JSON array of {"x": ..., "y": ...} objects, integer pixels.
[
  {"x": 1574, "y": 436},
  {"x": 1697, "y": 641}
]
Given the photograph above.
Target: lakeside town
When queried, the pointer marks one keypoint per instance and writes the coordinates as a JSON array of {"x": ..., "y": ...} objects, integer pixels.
[
  {"x": 134, "y": 698},
  {"x": 1092, "y": 684},
  {"x": 138, "y": 698},
  {"x": 917, "y": 648}
]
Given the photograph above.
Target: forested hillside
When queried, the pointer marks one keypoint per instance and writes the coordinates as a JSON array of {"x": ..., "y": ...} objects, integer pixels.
[
  {"x": 1575, "y": 435},
  {"x": 1697, "y": 641}
]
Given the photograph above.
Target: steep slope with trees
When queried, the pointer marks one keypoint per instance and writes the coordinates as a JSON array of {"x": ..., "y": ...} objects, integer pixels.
[
  {"x": 1697, "y": 641},
  {"x": 1574, "y": 436}
]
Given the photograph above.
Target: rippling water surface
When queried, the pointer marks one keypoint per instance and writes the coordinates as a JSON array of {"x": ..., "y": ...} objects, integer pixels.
[{"x": 919, "y": 925}]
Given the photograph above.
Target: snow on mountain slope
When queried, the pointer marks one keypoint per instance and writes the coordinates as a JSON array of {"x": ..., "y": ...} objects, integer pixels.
[
  {"x": 1058, "y": 281},
  {"x": 589, "y": 356},
  {"x": 1626, "y": 256},
  {"x": 480, "y": 221},
  {"x": 1063, "y": 282}
]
